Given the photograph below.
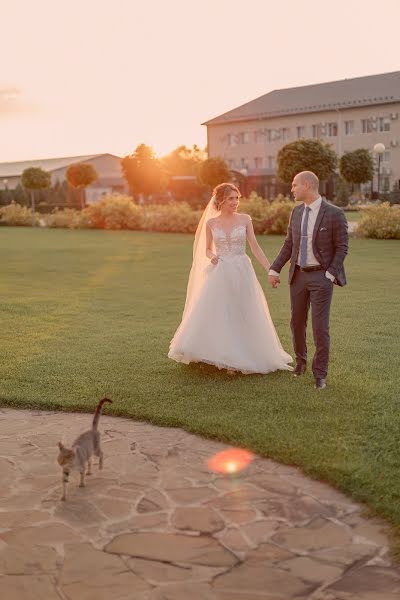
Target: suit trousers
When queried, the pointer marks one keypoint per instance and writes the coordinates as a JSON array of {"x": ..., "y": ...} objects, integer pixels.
[{"x": 315, "y": 289}]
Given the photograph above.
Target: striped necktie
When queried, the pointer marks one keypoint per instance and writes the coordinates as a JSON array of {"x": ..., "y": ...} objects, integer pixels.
[{"x": 304, "y": 239}]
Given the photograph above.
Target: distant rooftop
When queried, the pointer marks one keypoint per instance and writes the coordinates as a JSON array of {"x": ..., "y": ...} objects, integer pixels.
[
  {"x": 346, "y": 93},
  {"x": 15, "y": 169}
]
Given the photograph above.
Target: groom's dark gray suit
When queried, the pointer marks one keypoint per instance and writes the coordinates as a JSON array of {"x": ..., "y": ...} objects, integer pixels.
[{"x": 311, "y": 286}]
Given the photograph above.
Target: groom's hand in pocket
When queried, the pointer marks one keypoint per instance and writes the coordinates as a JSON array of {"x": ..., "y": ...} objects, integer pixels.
[{"x": 274, "y": 280}]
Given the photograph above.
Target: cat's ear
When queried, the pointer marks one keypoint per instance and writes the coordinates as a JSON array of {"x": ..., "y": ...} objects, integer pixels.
[{"x": 60, "y": 445}]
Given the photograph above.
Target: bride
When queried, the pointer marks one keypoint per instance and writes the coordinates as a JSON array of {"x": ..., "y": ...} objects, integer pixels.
[{"x": 226, "y": 321}]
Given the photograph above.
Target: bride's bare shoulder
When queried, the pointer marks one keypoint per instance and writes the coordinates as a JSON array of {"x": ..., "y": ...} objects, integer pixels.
[
  {"x": 246, "y": 218},
  {"x": 211, "y": 221}
]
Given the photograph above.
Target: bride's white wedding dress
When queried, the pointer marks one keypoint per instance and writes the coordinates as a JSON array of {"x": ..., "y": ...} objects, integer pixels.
[{"x": 228, "y": 324}]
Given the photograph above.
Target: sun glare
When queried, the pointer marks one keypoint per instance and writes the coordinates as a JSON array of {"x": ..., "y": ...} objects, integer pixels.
[{"x": 230, "y": 461}]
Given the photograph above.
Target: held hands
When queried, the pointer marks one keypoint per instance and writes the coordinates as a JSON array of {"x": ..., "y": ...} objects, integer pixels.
[
  {"x": 274, "y": 280},
  {"x": 214, "y": 259}
]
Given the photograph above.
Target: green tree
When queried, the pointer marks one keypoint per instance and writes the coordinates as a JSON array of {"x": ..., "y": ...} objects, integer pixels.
[
  {"x": 20, "y": 195},
  {"x": 213, "y": 171},
  {"x": 79, "y": 176},
  {"x": 33, "y": 179},
  {"x": 357, "y": 167},
  {"x": 306, "y": 155},
  {"x": 144, "y": 172}
]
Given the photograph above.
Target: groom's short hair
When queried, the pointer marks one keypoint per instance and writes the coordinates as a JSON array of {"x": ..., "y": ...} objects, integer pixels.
[{"x": 310, "y": 178}]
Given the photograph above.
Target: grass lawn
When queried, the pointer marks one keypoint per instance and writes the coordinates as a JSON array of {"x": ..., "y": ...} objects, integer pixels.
[
  {"x": 353, "y": 216},
  {"x": 87, "y": 313}
]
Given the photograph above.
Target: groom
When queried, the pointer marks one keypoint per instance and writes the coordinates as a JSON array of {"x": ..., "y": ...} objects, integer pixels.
[{"x": 316, "y": 244}]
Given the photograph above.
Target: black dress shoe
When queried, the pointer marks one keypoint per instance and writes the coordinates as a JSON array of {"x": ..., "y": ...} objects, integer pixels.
[
  {"x": 320, "y": 384},
  {"x": 299, "y": 370}
]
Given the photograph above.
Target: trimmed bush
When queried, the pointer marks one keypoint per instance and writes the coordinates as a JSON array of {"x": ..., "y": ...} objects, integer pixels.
[
  {"x": 174, "y": 218},
  {"x": 69, "y": 218},
  {"x": 15, "y": 214},
  {"x": 268, "y": 217},
  {"x": 115, "y": 211},
  {"x": 381, "y": 222}
]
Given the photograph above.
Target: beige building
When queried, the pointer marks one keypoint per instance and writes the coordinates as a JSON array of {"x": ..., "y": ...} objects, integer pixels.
[
  {"x": 108, "y": 167},
  {"x": 349, "y": 114}
]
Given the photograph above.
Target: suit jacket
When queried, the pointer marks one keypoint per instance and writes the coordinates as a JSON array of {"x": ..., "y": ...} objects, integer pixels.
[{"x": 330, "y": 241}]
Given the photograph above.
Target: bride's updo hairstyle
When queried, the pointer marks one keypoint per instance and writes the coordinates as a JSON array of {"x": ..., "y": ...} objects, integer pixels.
[{"x": 221, "y": 191}]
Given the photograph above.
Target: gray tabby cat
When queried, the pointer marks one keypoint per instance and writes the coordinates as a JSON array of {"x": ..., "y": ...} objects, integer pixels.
[{"x": 83, "y": 448}]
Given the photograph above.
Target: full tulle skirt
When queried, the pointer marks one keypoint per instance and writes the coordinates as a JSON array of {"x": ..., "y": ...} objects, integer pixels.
[{"x": 229, "y": 324}]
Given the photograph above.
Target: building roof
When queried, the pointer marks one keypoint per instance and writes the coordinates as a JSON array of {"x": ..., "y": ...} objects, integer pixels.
[
  {"x": 15, "y": 169},
  {"x": 346, "y": 93}
]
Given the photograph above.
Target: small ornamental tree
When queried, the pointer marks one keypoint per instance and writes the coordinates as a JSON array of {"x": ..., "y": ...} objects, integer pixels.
[
  {"x": 357, "y": 167},
  {"x": 79, "y": 176},
  {"x": 213, "y": 171},
  {"x": 32, "y": 179},
  {"x": 306, "y": 155}
]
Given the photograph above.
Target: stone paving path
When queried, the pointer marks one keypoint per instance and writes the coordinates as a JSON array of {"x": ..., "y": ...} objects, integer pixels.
[{"x": 157, "y": 524}]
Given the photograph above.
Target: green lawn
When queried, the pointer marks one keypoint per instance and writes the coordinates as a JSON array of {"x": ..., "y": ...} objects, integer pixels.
[
  {"x": 87, "y": 313},
  {"x": 353, "y": 215}
]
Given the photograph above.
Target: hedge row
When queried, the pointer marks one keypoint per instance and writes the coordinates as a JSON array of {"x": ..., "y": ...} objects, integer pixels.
[{"x": 120, "y": 212}]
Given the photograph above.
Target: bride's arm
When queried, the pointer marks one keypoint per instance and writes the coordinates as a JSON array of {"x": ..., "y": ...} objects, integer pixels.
[
  {"x": 209, "y": 245},
  {"x": 255, "y": 248}
]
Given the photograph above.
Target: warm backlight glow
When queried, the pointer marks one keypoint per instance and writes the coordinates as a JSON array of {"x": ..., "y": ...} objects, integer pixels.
[
  {"x": 230, "y": 461},
  {"x": 87, "y": 77}
]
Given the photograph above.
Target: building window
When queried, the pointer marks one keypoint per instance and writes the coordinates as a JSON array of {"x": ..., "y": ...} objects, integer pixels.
[
  {"x": 284, "y": 131},
  {"x": 316, "y": 130},
  {"x": 245, "y": 137},
  {"x": 384, "y": 124},
  {"x": 231, "y": 139},
  {"x": 300, "y": 131},
  {"x": 366, "y": 125},
  {"x": 268, "y": 135},
  {"x": 348, "y": 127},
  {"x": 244, "y": 163},
  {"x": 271, "y": 162},
  {"x": 258, "y": 162},
  {"x": 332, "y": 129},
  {"x": 386, "y": 156}
]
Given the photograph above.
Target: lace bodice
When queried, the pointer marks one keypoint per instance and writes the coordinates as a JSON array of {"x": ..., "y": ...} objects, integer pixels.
[{"x": 232, "y": 243}]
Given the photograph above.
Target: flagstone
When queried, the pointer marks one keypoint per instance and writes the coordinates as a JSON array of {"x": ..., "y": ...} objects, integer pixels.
[
  {"x": 202, "y": 519},
  {"x": 157, "y": 524},
  {"x": 317, "y": 534},
  {"x": 28, "y": 587},
  {"x": 201, "y": 550},
  {"x": 274, "y": 583}
]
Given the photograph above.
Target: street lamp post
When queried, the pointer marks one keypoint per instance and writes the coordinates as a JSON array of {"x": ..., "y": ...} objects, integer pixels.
[
  {"x": 5, "y": 181},
  {"x": 379, "y": 149}
]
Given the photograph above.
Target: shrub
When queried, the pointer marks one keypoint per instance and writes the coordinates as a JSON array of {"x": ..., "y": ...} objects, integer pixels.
[
  {"x": 115, "y": 211},
  {"x": 68, "y": 218},
  {"x": 257, "y": 208},
  {"x": 381, "y": 222},
  {"x": 173, "y": 217},
  {"x": 268, "y": 217},
  {"x": 15, "y": 214}
]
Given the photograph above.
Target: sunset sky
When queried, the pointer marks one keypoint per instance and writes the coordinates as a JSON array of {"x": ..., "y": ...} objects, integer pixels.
[{"x": 89, "y": 76}]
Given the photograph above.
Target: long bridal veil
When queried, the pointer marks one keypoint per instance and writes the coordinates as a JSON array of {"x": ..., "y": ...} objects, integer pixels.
[{"x": 200, "y": 261}]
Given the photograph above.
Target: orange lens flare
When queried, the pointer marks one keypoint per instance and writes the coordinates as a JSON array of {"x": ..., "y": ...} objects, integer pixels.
[{"x": 230, "y": 461}]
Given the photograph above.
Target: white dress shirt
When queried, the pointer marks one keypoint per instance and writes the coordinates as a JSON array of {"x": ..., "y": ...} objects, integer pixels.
[{"x": 312, "y": 217}]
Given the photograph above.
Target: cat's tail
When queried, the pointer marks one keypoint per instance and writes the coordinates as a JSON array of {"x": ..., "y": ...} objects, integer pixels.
[{"x": 98, "y": 412}]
